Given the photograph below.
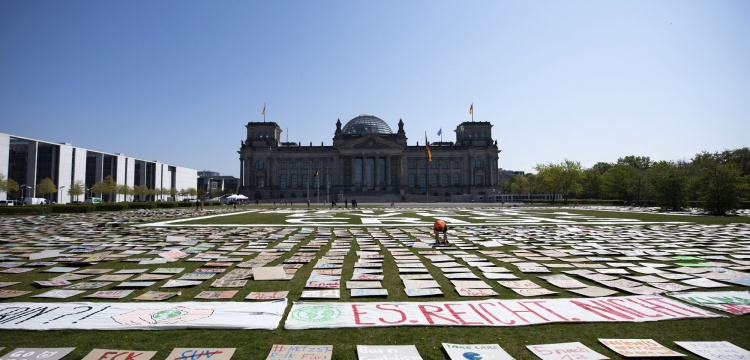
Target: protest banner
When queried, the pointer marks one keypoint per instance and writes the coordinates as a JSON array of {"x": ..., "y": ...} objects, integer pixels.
[
  {"x": 201, "y": 354},
  {"x": 141, "y": 316},
  {"x": 639, "y": 348},
  {"x": 565, "y": 351},
  {"x": 492, "y": 312},
  {"x": 37, "y": 353}
]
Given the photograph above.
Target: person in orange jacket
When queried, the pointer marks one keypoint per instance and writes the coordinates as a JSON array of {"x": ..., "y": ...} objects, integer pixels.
[{"x": 440, "y": 227}]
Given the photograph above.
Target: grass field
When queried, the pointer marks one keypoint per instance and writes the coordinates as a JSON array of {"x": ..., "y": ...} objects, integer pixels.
[{"x": 255, "y": 344}]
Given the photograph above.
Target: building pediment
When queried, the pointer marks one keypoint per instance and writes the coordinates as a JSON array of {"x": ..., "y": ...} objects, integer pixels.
[{"x": 372, "y": 141}]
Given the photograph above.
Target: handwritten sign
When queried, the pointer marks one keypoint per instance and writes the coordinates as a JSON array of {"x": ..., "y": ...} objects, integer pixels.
[
  {"x": 565, "y": 351},
  {"x": 638, "y": 348},
  {"x": 37, "y": 353},
  {"x": 301, "y": 352},
  {"x": 476, "y": 351},
  {"x": 400, "y": 352},
  {"x": 105, "y": 354},
  {"x": 201, "y": 354},
  {"x": 715, "y": 350}
]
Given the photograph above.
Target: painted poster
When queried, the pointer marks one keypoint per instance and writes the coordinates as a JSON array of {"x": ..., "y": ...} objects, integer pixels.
[
  {"x": 734, "y": 302},
  {"x": 490, "y": 312},
  {"x": 565, "y": 351},
  {"x": 201, "y": 354},
  {"x": 37, "y": 353},
  {"x": 107, "y": 354},
  {"x": 299, "y": 352},
  {"x": 476, "y": 352},
  {"x": 400, "y": 352},
  {"x": 141, "y": 316},
  {"x": 639, "y": 348},
  {"x": 715, "y": 350}
]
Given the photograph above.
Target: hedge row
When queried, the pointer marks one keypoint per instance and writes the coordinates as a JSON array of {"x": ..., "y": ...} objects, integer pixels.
[{"x": 87, "y": 208}]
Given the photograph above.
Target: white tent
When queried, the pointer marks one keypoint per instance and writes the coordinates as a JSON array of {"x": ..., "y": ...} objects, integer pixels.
[{"x": 237, "y": 197}]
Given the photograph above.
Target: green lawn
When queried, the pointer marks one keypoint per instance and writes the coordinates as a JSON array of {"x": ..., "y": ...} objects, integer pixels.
[{"x": 255, "y": 344}]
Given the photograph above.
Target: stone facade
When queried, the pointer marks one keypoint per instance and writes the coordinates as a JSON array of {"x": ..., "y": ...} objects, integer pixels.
[{"x": 368, "y": 161}]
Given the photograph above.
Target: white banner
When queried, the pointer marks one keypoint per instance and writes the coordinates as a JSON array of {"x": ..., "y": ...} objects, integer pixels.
[
  {"x": 141, "y": 316},
  {"x": 490, "y": 312}
]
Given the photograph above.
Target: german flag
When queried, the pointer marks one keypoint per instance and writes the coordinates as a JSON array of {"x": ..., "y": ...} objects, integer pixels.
[
  {"x": 316, "y": 173},
  {"x": 427, "y": 145}
]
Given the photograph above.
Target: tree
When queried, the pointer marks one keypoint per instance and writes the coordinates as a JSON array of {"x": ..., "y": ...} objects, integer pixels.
[
  {"x": 571, "y": 173},
  {"x": 192, "y": 192},
  {"x": 669, "y": 183},
  {"x": 593, "y": 183},
  {"x": 617, "y": 182},
  {"x": 173, "y": 193},
  {"x": 140, "y": 191},
  {"x": 163, "y": 191},
  {"x": 601, "y": 167},
  {"x": 78, "y": 188},
  {"x": 125, "y": 190},
  {"x": 46, "y": 187},
  {"x": 520, "y": 184},
  {"x": 637, "y": 179},
  {"x": 719, "y": 184},
  {"x": 548, "y": 178},
  {"x": 109, "y": 186},
  {"x": 8, "y": 185},
  {"x": 99, "y": 189}
]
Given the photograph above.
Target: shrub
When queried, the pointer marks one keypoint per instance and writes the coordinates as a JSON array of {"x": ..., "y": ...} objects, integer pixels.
[
  {"x": 111, "y": 207},
  {"x": 165, "y": 205},
  {"x": 73, "y": 209},
  {"x": 24, "y": 210},
  {"x": 145, "y": 205},
  {"x": 185, "y": 204}
]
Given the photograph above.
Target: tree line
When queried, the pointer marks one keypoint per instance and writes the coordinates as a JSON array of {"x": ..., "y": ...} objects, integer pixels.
[
  {"x": 716, "y": 182},
  {"x": 106, "y": 188}
]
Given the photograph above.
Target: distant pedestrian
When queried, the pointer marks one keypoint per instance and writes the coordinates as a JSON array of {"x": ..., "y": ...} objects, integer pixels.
[
  {"x": 346, "y": 203},
  {"x": 197, "y": 205},
  {"x": 308, "y": 203}
]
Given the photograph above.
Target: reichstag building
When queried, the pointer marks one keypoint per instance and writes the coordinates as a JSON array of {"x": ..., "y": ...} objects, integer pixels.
[{"x": 369, "y": 162}]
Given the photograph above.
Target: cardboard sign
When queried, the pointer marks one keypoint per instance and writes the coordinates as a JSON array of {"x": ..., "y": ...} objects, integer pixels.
[
  {"x": 201, "y": 354},
  {"x": 37, "y": 353},
  {"x": 476, "y": 351},
  {"x": 106, "y": 354},
  {"x": 715, "y": 350},
  {"x": 639, "y": 348},
  {"x": 400, "y": 352},
  {"x": 301, "y": 352},
  {"x": 735, "y": 302},
  {"x": 565, "y": 351}
]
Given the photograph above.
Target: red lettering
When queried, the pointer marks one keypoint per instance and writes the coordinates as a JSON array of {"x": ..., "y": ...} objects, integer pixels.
[
  {"x": 104, "y": 356},
  {"x": 518, "y": 312},
  {"x": 600, "y": 310},
  {"x": 457, "y": 315},
  {"x": 128, "y": 355},
  {"x": 429, "y": 314},
  {"x": 617, "y": 304},
  {"x": 382, "y": 307},
  {"x": 663, "y": 306},
  {"x": 481, "y": 306},
  {"x": 356, "y": 316},
  {"x": 539, "y": 303},
  {"x": 480, "y": 314}
]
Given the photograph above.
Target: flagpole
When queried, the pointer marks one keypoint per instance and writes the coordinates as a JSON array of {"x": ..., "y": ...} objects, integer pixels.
[
  {"x": 427, "y": 170},
  {"x": 264, "y": 112}
]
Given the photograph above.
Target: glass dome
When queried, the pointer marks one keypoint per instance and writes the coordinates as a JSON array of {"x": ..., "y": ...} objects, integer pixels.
[{"x": 366, "y": 124}]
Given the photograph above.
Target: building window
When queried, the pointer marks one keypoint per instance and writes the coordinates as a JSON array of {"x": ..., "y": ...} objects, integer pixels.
[
  {"x": 260, "y": 165},
  {"x": 282, "y": 165},
  {"x": 456, "y": 179},
  {"x": 423, "y": 164},
  {"x": 478, "y": 180},
  {"x": 456, "y": 164},
  {"x": 305, "y": 165},
  {"x": 446, "y": 163},
  {"x": 293, "y": 165},
  {"x": 444, "y": 179},
  {"x": 282, "y": 181},
  {"x": 412, "y": 180},
  {"x": 293, "y": 180},
  {"x": 328, "y": 164},
  {"x": 422, "y": 180},
  {"x": 412, "y": 164},
  {"x": 434, "y": 164},
  {"x": 433, "y": 180},
  {"x": 316, "y": 164},
  {"x": 304, "y": 180},
  {"x": 478, "y": 164}
]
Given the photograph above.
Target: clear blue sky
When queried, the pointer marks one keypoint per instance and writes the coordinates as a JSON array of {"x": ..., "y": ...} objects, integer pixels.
[{"x": 176, "y": 81}]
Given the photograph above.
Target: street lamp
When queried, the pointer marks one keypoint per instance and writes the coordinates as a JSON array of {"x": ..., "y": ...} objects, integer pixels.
[{"x": 58, "y": 193}]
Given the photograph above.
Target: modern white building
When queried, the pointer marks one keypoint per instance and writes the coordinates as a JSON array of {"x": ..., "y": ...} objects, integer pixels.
[{"x": 29, "y": 161}]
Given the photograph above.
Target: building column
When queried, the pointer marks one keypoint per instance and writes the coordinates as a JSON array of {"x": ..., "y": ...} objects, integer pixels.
[
  {"x": 364, "y": 172},
  {"x": 388, "y": 172},
  {"x": 376, "y": 173}
]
